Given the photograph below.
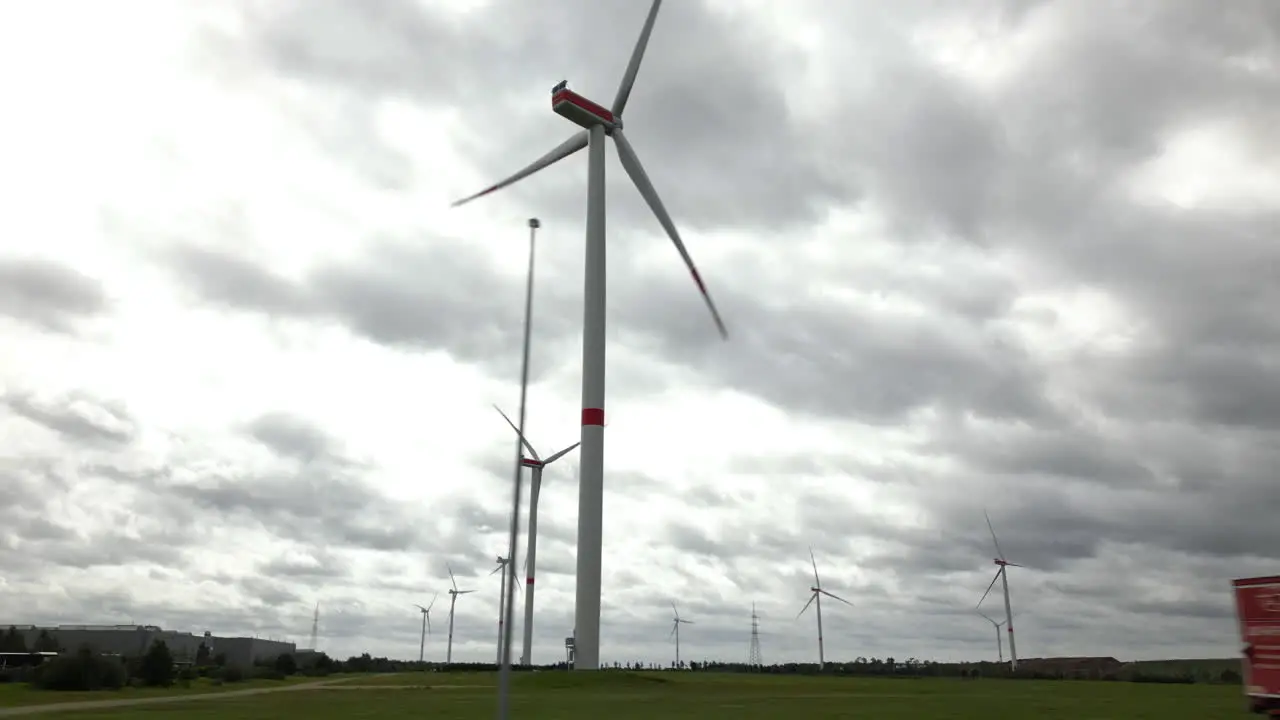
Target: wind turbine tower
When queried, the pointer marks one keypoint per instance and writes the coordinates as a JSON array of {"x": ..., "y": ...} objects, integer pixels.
[
  {"x": 535, "y": 465},
  {"x": 502, "y": 602},
  {"x": 1003, "y": 576},
  {"x": 754, "y": 660},
  {"x": 454, "y": 592},
  {"x": 999, "y": 641},
  {"x": 815, "y": 596},
  {"x": 599, "y": 124},
  {"x": 675, "y": 630}
]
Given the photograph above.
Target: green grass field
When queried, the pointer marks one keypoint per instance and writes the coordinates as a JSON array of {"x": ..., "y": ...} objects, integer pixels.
[
  {"x": 18, "y": 694},
  {"x": 632, "y": 696}
]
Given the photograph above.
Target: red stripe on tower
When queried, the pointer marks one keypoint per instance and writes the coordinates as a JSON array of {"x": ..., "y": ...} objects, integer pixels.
[
  {"x": 593, "y": 416},
  {"x": 528, "y": 581}
]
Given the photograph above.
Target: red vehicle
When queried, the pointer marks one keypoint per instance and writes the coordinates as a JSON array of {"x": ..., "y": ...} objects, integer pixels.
[{"x": 1258, "y": 608}]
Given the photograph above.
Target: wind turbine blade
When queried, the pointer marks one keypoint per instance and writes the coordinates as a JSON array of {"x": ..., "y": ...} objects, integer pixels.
[
  {"x": 993, "y": 584},
  {"x": 562, "y": 151},
  {"x": 833, "y": 596},
  {"x": 560, "y": 454},
  {"x": 1014, "y": 564},
  {"x": 464, "y": 592},
  {"x": 812, "y": 597},
  {"x": 674, "y": 610},
  {"x": 988, "y": 617},
  {"x": 814, "y": 560},
  {"x": 994, "y": 541},
  {"x": 452, "y": 579},
  {"x": 631, "y": 163},
  {"x": 428, "y": 623},
  {"x": 674, "y": 625},
  {"x": 420, "y": 607},
  {"x": 687, "y": 622},
  {"x": 525, "y": 443},
  {"x": 633, "y": 67},
  {"x": 433, "y": 602}
]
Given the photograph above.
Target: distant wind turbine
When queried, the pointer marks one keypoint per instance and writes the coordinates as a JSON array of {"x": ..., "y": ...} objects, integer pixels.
[
  {"x": 535, "y": 464},
  {"x": 677, "y": 621},
  {"x": 1003, "y": 577},
  {"x": 999, "y": 641},
  {"x": 815, "y": 596},
  {"x": 426, "y": 625},
  {"x": 502, "y": 602},
  {"x": 454, "y": 592}
]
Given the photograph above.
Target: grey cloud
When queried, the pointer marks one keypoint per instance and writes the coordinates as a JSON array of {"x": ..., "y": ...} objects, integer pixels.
[
  {"x": 398, "y": 295},
  {"x": 315, "y": 564},
  {"x": 76, "y": 417},
  {"x": 48, "y": 295},
  {"x": 318, "y": 505},
  {"x": 291, "y": 436},
  {"x": 705, "y": 108}
]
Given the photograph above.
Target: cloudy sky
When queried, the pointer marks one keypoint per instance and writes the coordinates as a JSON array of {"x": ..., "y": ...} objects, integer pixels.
[{"x": 1012, "y": 255}]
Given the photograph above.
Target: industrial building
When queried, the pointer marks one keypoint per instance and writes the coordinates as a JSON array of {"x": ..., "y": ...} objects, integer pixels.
[{"x": 134, "y": 640}]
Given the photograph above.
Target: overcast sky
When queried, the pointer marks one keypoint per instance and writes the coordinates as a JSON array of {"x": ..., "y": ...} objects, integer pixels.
[{"x": 1018, "y": 256}]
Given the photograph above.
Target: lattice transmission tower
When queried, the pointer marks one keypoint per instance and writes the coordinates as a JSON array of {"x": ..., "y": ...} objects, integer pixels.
[
  {"x": 755, "y": 660},
  {"x": 315, "y": 625}
]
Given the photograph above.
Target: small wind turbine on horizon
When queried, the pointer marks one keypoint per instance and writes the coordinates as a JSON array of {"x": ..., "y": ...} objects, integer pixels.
[
  {"x": 815, "y": 596},
  {"x": 454, "y": 592},
  {"x": 600, "y": 124},
  {"x": 536, "y": 465},
  {"x": 1003, "y": 577},
  {"x": 999, "y": 641},
  {"x": 502, "y": 601},
  {"x": 426, "y": 625},
  {"x": 677, "y": 621}
]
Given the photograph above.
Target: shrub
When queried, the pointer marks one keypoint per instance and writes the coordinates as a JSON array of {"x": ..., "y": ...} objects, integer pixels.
[
  {"x": 232, "y": 674},
  {"x": 286, "y": 664},
  {"x": 156, "y": 668},
  {"x": 15, "y": 675},
  {"x": 82, "y": 671},
  {"x": 267, "y": 673}
]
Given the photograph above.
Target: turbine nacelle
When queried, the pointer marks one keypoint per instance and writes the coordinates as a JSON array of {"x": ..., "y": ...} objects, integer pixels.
[{"x": 581, "y": 111}]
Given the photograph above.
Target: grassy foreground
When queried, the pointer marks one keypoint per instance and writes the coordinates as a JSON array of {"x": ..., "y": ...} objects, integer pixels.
[
  {"x": 21, "y": 694},
  {"x": 633, "y": 696}
]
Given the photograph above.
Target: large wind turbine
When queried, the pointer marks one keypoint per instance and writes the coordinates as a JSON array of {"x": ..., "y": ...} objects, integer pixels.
[
  {"x": 502, "y": 601},
  {"x": 426, "y": 625},
  {"x": 454, "y": 592},
  {"x": 815, "y": 596},
  {"x": 1003, "y": 577},
  {"x": 999, "y": 641},
  {"x": 599, "y": 123},
  {"x": 535, "y": 464},
  {"x": 677, "y": 621}
]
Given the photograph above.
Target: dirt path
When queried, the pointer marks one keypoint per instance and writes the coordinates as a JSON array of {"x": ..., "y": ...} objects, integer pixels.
[{"x": 126, "y": 702}]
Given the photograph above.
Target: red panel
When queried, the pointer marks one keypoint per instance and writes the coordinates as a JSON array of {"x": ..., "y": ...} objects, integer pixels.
[
  {"x": 530, "y": 462},
  {"x": 1258, "y": 608},
  {"x": 573, "y": 97},
  {"x": 528, "y": 581},
  {"x": 593, "y": 416}
]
